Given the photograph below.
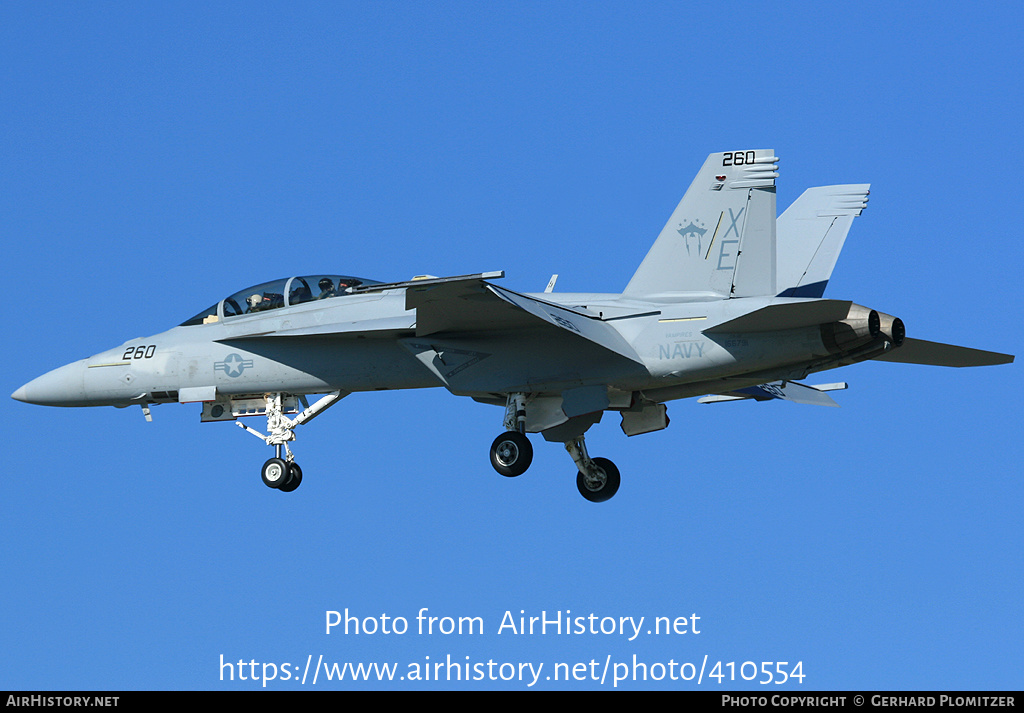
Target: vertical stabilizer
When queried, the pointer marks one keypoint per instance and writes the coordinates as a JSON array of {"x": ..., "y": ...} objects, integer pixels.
[
  {"x": 811, "y": 234},
  {"x": 721, "y": 237}
]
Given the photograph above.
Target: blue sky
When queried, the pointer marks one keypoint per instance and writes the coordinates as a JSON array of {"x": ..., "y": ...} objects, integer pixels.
[{"x": 156, "y": 159}]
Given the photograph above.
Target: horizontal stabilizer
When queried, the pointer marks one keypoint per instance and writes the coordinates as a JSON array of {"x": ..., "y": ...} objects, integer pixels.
[
  {"x": 785, "y": 315},
  {"x": 918, "y": 351},
  {"x": 786, "y": 390}
]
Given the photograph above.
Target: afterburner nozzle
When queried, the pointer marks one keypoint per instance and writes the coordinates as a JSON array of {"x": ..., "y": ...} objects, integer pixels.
[
  {"x": 892, "y": 328},
  {"x": 861, "y": 326}
]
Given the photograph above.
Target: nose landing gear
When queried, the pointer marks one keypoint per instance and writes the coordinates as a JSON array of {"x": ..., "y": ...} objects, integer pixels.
[{"x": 283, "y": 473}]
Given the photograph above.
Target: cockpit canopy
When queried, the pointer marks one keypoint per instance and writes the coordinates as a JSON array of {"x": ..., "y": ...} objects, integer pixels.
[{"x": 279, "y": 293}]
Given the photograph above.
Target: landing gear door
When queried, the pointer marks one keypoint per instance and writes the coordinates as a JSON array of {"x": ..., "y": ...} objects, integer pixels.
[{"x": 229, "y": 409}]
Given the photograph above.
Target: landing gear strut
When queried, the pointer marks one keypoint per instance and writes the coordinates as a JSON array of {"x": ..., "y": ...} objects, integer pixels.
[
  {"x": 511, "y": 452},
  {"x": 283, "y": 473}
]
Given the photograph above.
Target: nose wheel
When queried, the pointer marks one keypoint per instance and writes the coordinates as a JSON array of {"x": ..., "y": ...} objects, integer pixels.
[
  {"x": 281, "y": 475},
  {"x": 275, "y": 473}
]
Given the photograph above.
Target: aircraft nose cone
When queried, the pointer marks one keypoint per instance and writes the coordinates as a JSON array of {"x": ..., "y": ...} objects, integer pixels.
[{"x": 60, "y": 387}]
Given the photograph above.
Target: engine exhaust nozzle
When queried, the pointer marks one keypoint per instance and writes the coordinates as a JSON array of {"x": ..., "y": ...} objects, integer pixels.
[
  {"x": 893, "y": 329},
  {"x": 861, "y": 326}
]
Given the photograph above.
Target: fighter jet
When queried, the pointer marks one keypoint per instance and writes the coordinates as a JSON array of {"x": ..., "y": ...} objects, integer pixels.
[{"x": 727, "y": 305}]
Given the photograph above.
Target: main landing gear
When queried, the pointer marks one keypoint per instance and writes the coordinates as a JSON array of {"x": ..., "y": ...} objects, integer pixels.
[
  {"x": 597, "y": 479},
  {"x": 511, "y": 452},
  {"x": 283, "y": 473}
]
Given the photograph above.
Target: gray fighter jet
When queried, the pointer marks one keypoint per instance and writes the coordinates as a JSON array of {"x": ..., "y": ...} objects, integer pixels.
[{"x": 727, "y": 305}]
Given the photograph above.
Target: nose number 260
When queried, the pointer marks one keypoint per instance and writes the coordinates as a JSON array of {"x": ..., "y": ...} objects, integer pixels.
[{"x": 140, "y": 352}]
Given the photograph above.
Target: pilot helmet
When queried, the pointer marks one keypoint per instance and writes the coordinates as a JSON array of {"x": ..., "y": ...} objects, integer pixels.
[
  {"x": 255, "y": 300},
  {"x": 325, "y": 283}
]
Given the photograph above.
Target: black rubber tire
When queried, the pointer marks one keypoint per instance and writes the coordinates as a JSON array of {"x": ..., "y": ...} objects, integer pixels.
[
  {"x": 511, "y": 454},
  {"x": 611, "y": 483},
  {"x": 274, "y": 473},
  {"x": 294, "y": 478}
]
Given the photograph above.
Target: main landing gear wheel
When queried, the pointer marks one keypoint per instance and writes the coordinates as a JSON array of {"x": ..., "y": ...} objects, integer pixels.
[
  {"x": 294, "y": 478},
  {"x": 511, "y": 454},
  {"x": 601, "y": 483},
  {"x": 275, "y": 473}
]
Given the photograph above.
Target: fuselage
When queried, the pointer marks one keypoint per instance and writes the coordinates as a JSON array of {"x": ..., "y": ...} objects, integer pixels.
[
  {"x": 231, "y": 355},
  {"x": 726, "y": 303}
]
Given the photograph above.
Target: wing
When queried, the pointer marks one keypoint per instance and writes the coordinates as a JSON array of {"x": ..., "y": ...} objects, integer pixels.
[
  {"x": 529, "y": 344},
  {"x": 453, "y": 324}
]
